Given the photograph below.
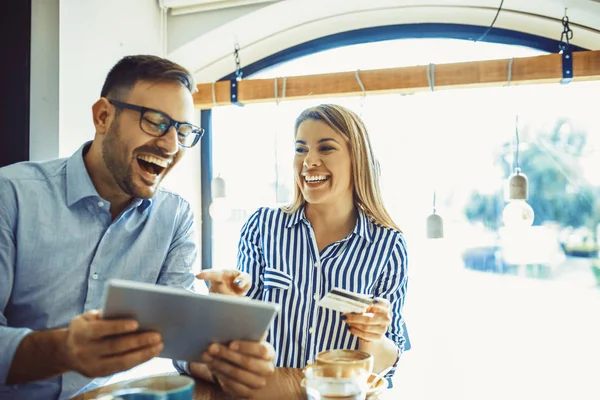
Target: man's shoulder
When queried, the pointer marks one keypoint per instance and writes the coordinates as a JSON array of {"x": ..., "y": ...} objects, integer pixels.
[
  {"x": 169, "y": 198},
  {"x": 29, "y": 174},
  {"x": 33, "y": 170},
  {"x": 165, "y": 193}
]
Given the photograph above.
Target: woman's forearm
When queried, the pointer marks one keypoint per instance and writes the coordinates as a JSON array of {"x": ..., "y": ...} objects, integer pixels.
[{"x": 384, "y": 352}]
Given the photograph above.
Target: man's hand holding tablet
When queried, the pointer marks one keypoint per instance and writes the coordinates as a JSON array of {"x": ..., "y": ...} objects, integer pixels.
[{"x": 239, "y": 359}]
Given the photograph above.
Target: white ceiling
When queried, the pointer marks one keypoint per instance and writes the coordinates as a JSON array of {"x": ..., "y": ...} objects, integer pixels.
[{"x": 282, "y": 24}]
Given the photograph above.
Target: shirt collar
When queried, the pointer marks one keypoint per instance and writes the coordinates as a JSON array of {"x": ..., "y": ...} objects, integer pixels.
[
  {"x": 362, "y": 228},
  {"x": 296, "y": 217},
  {"x": 79, "y": 184}
]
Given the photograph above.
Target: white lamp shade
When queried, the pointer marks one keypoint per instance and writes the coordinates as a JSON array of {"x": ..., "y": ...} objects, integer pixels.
[
  {"x": 435, "y": 227},
  {"x": 218, "y": 187},
  {"x": 517, "y": 186}
]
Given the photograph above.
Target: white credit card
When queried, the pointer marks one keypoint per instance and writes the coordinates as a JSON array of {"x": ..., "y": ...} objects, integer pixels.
[{"x": 345, "y": 301}]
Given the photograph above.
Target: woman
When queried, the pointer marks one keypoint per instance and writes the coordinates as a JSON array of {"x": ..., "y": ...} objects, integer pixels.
[{"x": 336, "y": 233}]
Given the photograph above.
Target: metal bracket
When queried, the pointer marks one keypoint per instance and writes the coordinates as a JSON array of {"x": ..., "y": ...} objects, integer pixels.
[
  {"x": 567, "y": 66},
  {"x": 233, "y": 89}
]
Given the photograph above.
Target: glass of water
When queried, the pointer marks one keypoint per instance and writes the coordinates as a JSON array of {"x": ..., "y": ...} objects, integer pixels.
[{"x": 339, "y": 382}]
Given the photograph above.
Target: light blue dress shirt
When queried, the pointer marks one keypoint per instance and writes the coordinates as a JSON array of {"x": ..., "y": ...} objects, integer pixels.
[{"x": 59, "y": 245}]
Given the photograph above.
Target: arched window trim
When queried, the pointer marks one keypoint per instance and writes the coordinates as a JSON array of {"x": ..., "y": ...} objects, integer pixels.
[{"x": 348, "y": 38}]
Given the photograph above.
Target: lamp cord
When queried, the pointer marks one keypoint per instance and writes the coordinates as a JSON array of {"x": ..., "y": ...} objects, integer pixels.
[
  {"x": 492, "y": 25},
  {"x": 517, "y": 149}
]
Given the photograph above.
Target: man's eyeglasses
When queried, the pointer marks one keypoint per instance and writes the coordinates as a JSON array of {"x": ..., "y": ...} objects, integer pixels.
[{"x": 157, "y": 123}]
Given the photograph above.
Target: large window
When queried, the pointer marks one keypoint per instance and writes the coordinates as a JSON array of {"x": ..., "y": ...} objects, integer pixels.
[{"x": 492, "y": 313}]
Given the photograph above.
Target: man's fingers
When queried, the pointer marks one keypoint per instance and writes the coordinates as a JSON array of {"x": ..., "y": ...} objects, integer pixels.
[
  {"x": 129, "y": 360},
  {"x": 230, "y": 386},
  {"x": 260, "y": 366},
  {"x": 91, "y": 315},
  {"x": 126, "y": 344},
  {"x": 101, "y": 328},
  {"x": 224, "y": 369},
  {"x": 261, "y": 350}
]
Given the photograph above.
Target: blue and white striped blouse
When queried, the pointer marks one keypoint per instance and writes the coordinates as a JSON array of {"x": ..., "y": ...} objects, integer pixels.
[{"x": 280, "y": 252}]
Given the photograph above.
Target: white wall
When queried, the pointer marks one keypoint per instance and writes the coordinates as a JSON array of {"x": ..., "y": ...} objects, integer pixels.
[
  {"x": 74, "y": 45},
  {"x": 43, "y": 114},
  {"x": 94, "y": 35}
]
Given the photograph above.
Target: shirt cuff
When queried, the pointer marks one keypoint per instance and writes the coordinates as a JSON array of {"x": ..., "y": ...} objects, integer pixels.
[
  {"x": 400, "y": 343},
  {"x": 10, "y": 339},
  {"x": 183, "y": 367}
]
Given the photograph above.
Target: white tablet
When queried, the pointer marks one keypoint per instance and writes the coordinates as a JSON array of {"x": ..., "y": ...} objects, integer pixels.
[{"x": 188, "y": 322}]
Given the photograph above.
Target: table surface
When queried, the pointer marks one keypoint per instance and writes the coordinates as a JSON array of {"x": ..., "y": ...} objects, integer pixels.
[{"x": 208, "y": 391}]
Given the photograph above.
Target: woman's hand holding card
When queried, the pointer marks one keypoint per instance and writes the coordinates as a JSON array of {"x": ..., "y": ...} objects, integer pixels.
[{"x": 371, "y": 325}]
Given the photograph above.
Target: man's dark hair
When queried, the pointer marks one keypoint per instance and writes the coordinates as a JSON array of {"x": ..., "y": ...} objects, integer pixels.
[{"x": 132, "y": 69}]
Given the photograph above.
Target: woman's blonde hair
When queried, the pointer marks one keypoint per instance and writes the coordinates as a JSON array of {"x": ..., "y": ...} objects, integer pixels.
[{"x": 365, "y": 168}]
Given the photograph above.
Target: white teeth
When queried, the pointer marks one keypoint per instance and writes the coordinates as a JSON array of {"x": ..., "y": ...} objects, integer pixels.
[
  {"x": 315, "y": 178},
  {"x": 154, "y": 160}
]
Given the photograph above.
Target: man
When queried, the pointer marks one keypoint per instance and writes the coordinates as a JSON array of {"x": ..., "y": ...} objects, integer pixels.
[{"x": 68, "y": 225}]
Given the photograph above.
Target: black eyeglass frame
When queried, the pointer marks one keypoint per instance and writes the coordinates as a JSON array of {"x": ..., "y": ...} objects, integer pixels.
[{"x": 197, "y": 131}]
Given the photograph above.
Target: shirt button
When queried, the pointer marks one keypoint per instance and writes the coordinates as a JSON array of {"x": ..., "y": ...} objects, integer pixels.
[
  {"x": 100, "y": 204},
  {"x": 95, "y": 276},
  {"x": 316, "y": 265},
  {"x": 316, "y": 297},
  {"x": 311, "y": 330}
]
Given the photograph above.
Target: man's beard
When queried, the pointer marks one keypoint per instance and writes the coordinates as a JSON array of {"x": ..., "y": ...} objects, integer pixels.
[{"x": 120, "y": 171}]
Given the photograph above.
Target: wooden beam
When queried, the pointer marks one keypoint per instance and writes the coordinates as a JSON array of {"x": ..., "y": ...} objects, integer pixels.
[{"x": 525, "y": 71}]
